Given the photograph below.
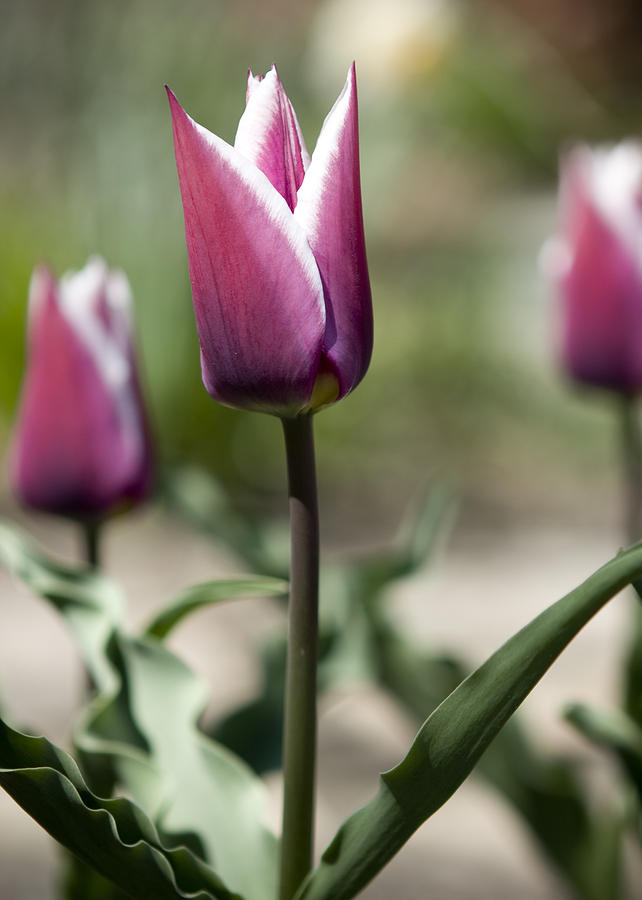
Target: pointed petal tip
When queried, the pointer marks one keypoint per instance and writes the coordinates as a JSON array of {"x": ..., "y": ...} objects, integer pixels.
[
  {"x": 180, "y": 118},
  {"x": 42, "y": 277},
  {"x": 174, "y": 105},
  {"x": 42, "y": 285},
  {"x": 351, "y": 79}
]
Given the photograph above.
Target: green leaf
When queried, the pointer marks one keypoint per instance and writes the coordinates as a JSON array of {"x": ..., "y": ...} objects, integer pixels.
[
  {"x": 614, "y": 730},
  {"x": 112, "y": 836},
  {"x": 203, "y": 501},
  {"x": 91, "y": 604},
  {"x": 584, "y": 843},
  {"x": 203, "y": 790},
  {"x": 420, "y": 533},
  {"x": 213, "y": 592},
  {"x": 82, "y": 882},
  {"x": 255, "y": 731},
  {"x": 544, "y": 789},
  {"x": 140, "y": 732},
  {"x": 456, "y": 734}
]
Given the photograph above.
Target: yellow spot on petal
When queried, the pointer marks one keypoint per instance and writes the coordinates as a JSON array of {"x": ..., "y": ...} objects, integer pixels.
[{"x": 324, "y": 393}]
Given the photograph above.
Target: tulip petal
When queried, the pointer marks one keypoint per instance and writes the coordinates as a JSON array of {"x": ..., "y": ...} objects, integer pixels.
[
  {"x": 268, "y": 135},
  {"x": 601, "y": 291},
  {"x": 257, "y": 293},
  {"x": 329, "y": 209},
  {"x": 73, "y": 453}
]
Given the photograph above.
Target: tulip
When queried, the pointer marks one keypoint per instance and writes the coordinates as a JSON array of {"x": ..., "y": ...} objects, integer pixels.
[
  {"x": 276, "y": 253},
  {"x": 597, "y": 265},
  {"x": 81, "y": 447}
]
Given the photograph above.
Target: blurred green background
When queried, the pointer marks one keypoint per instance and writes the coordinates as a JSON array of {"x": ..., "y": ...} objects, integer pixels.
[{"x": 464, "y": 108}]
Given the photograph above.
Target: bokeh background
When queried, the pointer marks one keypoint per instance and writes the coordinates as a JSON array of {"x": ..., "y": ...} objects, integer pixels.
[{"x": 464, "y": 109}]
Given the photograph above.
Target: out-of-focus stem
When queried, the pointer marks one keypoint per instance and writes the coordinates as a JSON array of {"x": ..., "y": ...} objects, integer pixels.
[
  {"x": 632, "y": 491},
  {"x": 632, "y": 470},
  {"x": 300, "y": 725},
  {"x": 91, "y": 530}
]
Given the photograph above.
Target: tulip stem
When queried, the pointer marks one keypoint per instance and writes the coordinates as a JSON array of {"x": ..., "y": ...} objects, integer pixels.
[
  {"x": 632, "y": 489},
  {"x": 91, "y": 530},
  {"x": 300, "y": 724},
  {"x": 632, "y": 470}
]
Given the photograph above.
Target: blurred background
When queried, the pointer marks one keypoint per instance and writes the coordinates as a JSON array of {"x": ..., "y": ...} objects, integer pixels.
[{"x": 464, "y": 107}]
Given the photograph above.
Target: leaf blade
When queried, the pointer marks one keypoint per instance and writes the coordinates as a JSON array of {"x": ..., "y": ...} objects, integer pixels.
[
  {"x": 113, "y": 836},
  {"x": 455, "y": 735},
  {"x": 211, "y": 593}
]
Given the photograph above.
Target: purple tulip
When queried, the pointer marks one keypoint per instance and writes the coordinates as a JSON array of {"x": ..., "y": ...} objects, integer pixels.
[
  {"x": 276, "y": 253},
  {"x": 81, "y": 446},
  {"x": 597, "y": 264}
]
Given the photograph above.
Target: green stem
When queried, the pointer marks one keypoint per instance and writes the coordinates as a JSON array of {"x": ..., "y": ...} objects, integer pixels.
[
  {"x": 632, "y": 470},
  {"x": 632, "y": 489},
  {"x": 91, "y": 530},
  {"x": 300, "y": 725}
]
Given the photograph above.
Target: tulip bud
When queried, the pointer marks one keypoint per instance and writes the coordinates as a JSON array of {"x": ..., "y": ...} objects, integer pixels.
[
  {"x": 596, "y": 263},
  {"x": 81, "y": 446},
  {"x": 276, "y": 253}
]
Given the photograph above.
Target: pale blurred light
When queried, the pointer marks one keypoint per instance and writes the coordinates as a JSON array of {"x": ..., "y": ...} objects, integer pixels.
[{"x": 394, "y": 42}]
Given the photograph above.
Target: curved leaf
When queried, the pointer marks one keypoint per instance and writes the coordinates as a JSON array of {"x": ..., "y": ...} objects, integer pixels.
[
  {"x": 614, "y": 730},
  {"x": 140, "y": 732},
  {"x": 91, "y": 604},
  {"x": 544, "y": 788},
  {"x": 209, "y": 593},
  {"x": 203, "y": 789},
  {"x": 113, "y": 836},
  {"x": 456, "y": 734},
  {"x": 426, "y": 524}
]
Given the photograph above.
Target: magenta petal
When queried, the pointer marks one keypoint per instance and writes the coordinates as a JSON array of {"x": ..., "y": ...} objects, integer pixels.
[
  {"x": 80, "y": 445},
  {"x": 257, "y": 293},
  {"x": 268, "y": 135},
  {"x": 602, "y": 304},
  {"x": 329, "y": 209}
]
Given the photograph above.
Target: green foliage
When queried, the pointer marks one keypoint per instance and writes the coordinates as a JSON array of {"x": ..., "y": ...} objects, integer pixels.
[
  {"x": 454, "y": 737},
  {"x": 616, "y": 732},
  {"x": 361, "y": 641},
  {"x": 139, "y": 733},
  {"x": 113, "y": 836},
  {"x": 211, "y": 593}
]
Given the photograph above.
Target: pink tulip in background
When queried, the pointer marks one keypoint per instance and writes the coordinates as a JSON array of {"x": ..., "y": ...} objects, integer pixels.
[
  {"x": 276, "y": 253},
  {"x": 81, "y": 446},
  {"x": 597, "y": 266}
]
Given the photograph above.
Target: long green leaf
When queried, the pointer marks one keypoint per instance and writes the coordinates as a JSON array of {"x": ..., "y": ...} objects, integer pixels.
[
  {"x": 210, "y": 593},
  {"x": 544, "y": 789},
  {"x": 456, "y": 734},
  {"x": 140, "y": 732},
  {"x": 113, "y": 836}
]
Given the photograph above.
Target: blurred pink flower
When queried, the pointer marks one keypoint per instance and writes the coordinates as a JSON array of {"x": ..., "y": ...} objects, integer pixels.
[
  {"x": 276, "y": 253},
  {"x": 597, "y": 265},
  {"x": 81, "y": 446}
]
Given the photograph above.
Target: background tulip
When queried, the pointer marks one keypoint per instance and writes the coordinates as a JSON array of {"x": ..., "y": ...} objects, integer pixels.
[
  {"x": 276, "y": 253},
  {"x": 81, "y": 445},
  {"x": 597, "y": 263}
]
